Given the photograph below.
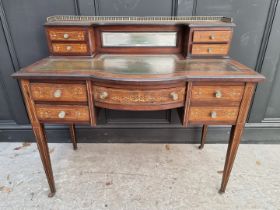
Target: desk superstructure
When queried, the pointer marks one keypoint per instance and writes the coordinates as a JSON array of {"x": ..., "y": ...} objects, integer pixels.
[{"x": 139, "y": 64}]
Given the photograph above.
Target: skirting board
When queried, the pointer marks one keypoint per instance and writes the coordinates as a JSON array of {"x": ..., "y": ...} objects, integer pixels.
[{"x": 253, "y": 133}]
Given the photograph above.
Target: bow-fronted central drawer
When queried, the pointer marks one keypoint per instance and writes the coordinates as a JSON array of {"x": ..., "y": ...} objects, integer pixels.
[{"x": 130, "y": 98}]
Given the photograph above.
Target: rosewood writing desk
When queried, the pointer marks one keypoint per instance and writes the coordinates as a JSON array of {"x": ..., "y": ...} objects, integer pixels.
[{"x": 138, "y": 63}]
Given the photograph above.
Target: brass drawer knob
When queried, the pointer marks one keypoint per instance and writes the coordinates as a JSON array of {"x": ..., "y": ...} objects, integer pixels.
[
  {"x": 68, "y": 48},
  {"x": 57, "y": 93},
  {"x": 103, "y": 95},
  {"x": 174, "y": 96},
  {"x": 209, "y": 50},
  {"x": 65, "y": 36},
  {"x": 211, "y": 37},
  {"x": 218, "y": 94},
  {"x": 213, "y": 114},
  {"x": 61, "y": 114}
]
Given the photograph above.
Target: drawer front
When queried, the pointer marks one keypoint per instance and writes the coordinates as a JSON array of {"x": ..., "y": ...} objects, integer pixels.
[
  {"x": 217, "y": 93},
  {"x": 213, "y": 114},
  {"x": 69, "y": 48},
  {"x": 139, "y": 97},
  {"x": 210, "y": 49},
  {"x": 212, "y": 36},
  {"x": 58, "y": 92},
  {"x": 62, "y": 113},
  {"x": 64, "y": 35}
]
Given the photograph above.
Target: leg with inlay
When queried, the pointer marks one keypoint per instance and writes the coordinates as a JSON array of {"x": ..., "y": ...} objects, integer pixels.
[
  {"x": 236, "y": 132},
  {"x": 40, "y": 135}
]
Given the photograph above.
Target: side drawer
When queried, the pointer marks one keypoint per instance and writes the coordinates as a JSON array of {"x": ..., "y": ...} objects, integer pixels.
[
  {"x": 62, "y": 113},
  {"x": 66, "y": 35},
  {"x": 212, "y": 36},
  {"x": 210, "y": 49},
  {"x": 217, "y": 93},
  {"x": 213, "y": 114},
  {"x": 70, "y": 48},
  {"x": 58, "y": 92}
]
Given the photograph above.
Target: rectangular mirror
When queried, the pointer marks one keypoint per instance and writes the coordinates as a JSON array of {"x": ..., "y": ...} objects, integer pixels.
[{"x": 139, "y": 39}]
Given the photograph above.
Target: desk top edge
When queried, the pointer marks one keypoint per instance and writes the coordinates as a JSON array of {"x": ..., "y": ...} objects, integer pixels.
[{"x": 243, "y": 72}]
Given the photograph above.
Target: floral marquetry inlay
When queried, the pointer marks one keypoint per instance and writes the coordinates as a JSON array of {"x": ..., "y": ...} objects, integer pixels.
[{"x": 137, "y": 98}]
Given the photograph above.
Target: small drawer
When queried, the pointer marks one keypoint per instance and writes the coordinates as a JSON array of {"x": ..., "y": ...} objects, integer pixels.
[
  {"x": 139, "y": 97},
  {"x": 69, "y": 48},
  {"x": 217, "y": 93},
  {"x": 213, "y": 114},
  {"x": 58, "y": 92},
  {"x": 210, "y": 49},
  {"x": 64, "y": 35},
  {"x": 212, "y": 36},
  {"x": 62, "y": 113}
]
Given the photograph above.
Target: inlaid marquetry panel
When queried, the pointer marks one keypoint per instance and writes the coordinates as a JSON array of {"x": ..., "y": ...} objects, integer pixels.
[
  {"x": 62, "y": 113},
  {"x": 58, "y": 92}
]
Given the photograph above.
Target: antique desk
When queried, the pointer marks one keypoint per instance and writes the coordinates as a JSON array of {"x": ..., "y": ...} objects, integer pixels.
[{"x": 138, "y": 63}]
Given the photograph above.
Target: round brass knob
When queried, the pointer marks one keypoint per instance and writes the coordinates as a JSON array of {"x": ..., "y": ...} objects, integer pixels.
[
  {"x": 174, "y": 96},
  {"x": 68, "y": 48},
  {"x": 103, "y": 95},
  {"x": 213, "y": 114},
  {"x": 218, "y": 94},
  {"x": 61, "y": 114},
  {"x": 65, "y": 36},
  {"x": 212, "y": 36},
  {"x": 209, "y": 50},
  {"x": 57, "y": 93}
]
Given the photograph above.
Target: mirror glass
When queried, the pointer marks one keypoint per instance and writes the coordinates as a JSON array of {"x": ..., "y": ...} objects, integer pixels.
[{"x": 139, "y": 39}]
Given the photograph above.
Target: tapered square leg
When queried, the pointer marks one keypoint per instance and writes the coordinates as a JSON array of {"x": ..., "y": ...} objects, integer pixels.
[
  {"x": 203, "y": 136},
  {"x": 235, "y": 137},
  {"x": 73, "y": 136},
  {"x": 45, "y": 155}
]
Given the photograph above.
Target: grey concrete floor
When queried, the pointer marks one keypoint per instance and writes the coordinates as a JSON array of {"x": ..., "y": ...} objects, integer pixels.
[{"x": 139, "y": 176}]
